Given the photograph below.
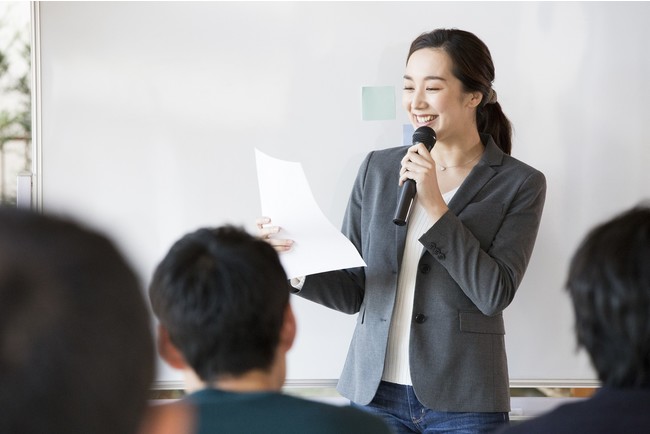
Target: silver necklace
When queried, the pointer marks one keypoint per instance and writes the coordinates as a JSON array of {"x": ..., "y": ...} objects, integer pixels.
[{"x": 443, "y": 168}]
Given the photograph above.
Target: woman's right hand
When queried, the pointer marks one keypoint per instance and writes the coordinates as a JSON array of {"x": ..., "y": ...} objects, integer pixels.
[{"x": 266, "y": 231}]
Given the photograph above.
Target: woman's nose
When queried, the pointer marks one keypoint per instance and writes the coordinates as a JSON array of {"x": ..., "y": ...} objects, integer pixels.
[{"x": 418, "y": 101}]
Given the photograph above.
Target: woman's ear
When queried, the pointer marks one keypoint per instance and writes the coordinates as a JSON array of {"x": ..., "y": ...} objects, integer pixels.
[
  {"x": 168, "y": 350},
  {"x": 474, "y": 99}
]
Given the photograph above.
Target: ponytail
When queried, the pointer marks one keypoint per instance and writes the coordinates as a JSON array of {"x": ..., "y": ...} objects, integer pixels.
[{"x": 491, "y": 120}]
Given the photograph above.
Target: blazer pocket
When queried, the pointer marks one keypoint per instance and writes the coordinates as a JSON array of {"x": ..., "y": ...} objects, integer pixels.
[{"x": 476, "y": 322}]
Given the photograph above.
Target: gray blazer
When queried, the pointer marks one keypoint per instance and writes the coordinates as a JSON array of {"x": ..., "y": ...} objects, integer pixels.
[{"x": 475, "y": 257}]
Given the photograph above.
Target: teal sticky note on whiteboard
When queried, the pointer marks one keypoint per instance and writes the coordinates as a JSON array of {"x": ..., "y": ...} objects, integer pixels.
[{"x": 377, "y": 103}]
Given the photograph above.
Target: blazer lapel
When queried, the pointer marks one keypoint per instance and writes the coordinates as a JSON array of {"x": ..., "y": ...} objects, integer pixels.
[
  {"x": 474, "y": 182},
  {"x": 478, "y": 177}
]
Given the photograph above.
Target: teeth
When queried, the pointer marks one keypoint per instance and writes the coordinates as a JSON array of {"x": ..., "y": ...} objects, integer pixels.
[{"x": 424, "y": 119}]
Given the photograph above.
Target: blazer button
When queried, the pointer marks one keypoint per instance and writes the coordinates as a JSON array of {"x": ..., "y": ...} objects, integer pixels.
[
  {"x": 420, "y": 318},
  {"x": 441, "y": 256},
  {"x": 425, "y": 268}
]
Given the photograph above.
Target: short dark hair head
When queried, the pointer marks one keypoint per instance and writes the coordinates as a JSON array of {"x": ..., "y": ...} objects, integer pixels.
[
  {"x": 222, "y": 295},
  {"x": 609, "y": 284},
  {"x": 76, "y": 348},
  {"x": 474, "y": 68}
]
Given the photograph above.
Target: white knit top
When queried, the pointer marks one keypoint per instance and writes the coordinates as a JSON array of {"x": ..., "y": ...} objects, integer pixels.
[{"x": 396, "y": 364}]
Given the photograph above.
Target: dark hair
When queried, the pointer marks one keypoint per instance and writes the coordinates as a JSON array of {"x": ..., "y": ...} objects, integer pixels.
[
  {"x": 474, "y": 68},
  {"x": 222, "y": 295},
  {"x": 609, "y": 284},
  {"x": 76, "y": 348}
]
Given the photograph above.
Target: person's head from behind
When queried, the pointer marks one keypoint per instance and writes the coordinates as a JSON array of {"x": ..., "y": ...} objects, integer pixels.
[
  {"x": 222, "y": 300},
  {"x": 609, "y": 284},
  {"x": 464, "y": 57},
  {"x": 76, "y": 349}
]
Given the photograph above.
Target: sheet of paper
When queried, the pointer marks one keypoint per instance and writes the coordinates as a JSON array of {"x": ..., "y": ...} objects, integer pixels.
[{"x": 287, "y": 199}]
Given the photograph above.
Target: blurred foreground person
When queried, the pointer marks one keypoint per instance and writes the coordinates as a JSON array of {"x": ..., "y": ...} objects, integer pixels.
[
  {"x": 76, "y": 350},
  {"x": 609, "y": 284}
]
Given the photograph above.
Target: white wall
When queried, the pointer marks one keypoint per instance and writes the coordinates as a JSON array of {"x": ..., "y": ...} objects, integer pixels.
[{"x": 151, "y": 111}]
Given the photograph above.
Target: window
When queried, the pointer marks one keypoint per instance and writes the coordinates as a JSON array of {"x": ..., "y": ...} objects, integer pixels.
[{"x": 15, "y": 96}]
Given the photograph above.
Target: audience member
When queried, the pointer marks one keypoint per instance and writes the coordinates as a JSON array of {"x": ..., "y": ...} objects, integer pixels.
[
  {"x": 609, "y": 285},
  {"x": 222, "y": 299},
  {"x": 76, "y": 349}
]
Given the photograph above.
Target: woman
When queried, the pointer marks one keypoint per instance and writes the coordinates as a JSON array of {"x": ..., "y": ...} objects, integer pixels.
[{"x": 428, "y": 351}]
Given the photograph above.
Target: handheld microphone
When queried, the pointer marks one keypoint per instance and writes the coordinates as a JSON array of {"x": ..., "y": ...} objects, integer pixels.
[{"x": 427, "y": 137}]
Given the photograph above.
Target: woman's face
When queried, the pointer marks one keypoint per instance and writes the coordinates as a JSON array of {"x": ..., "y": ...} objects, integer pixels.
[{"x": 434, "y": 97}]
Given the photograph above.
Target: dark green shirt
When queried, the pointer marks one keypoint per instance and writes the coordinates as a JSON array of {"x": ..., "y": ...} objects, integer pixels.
[{"x": 276, "y": 413}]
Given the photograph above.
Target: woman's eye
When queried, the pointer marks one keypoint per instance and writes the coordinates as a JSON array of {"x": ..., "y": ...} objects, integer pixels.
[
  {"x": 408, "y": 88},
  {"x": 432, "y": 89}
]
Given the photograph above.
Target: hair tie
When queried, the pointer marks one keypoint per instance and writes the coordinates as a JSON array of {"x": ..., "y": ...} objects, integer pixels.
[{"x": 491, "y": 97}]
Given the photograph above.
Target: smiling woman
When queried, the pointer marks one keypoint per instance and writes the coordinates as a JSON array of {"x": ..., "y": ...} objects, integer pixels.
[{"x": 430, "y": 334}]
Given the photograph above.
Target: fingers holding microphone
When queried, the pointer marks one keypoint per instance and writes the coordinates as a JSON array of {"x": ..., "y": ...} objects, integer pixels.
[
  {"x": 266, "y": 231},
  {"x": 417, "y": 164},
  {"x": 424, "y": 138}
]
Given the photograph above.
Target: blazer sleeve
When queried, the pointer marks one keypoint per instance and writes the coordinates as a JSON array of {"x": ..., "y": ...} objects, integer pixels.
[{"x": 490, "y": 276}]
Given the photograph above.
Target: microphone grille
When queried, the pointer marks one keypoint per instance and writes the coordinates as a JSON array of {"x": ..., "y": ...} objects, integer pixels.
[{"x": 426, "y": 136}]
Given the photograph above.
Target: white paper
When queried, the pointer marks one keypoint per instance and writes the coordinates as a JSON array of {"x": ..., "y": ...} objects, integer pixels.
[{"x": 287, "y": 199}]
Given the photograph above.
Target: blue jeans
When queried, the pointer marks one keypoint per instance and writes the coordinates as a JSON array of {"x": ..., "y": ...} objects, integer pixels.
[{"x": 397, "y": 405}]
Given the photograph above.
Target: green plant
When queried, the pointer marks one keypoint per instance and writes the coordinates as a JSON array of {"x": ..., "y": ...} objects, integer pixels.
[{"x": 15, "y": 120}]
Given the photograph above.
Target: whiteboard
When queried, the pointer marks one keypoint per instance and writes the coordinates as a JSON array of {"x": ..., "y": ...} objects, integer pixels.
[{"x": 148, "y": 115}]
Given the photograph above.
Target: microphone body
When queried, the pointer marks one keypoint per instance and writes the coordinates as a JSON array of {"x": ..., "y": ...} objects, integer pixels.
[{"x": 427, "y": 137}]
